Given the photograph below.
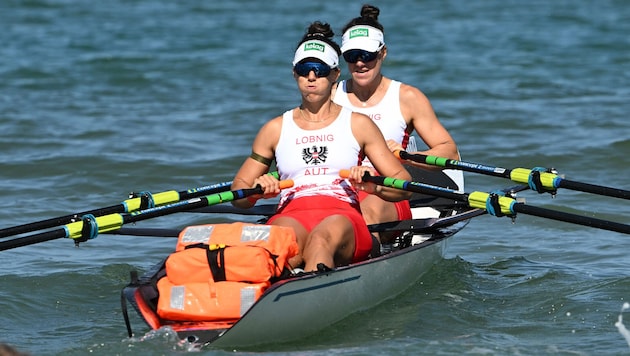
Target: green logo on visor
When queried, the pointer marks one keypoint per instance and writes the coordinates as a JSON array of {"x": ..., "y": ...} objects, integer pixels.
[
  {"x": 312, "y": 46},
  {"x": 359, "y": 32}
]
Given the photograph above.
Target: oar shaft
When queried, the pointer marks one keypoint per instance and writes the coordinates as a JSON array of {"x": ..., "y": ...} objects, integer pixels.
[
  {"x": 62, "y": 220},
  {"x": 33, "y": 239},
  {"x": 416, "y": 187},
  {"x": 111, "y": 222},
  {"x": 593, "y": 188},
  {"x": 549, "y": 181},
  {"x": 571, "y": 218},
  {"x": 191, "y": 204},
  {"x": 502, "y": 205},
  {"x": 455, "y": 164},
  {"x": 116, "y": 221},
  {"x": 126, "y": 206}
]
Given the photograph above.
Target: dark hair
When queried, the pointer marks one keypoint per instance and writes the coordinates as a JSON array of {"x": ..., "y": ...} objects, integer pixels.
[
  {"x": 320, "y": 31},
  {"x": 369, "y": 17}
]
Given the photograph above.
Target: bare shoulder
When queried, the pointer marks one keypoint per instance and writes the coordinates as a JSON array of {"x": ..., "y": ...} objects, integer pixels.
[
  {"x": 273, "y": 125},
  {"x": 276, "y": 122},
  {"x": 415, "y": 106},
  {"x": 411, "y": 94},
  {"x": 268, "y": 137}
]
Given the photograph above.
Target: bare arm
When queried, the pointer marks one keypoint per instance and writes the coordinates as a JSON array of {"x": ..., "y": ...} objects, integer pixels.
[
  {"x": 418, "y": 112},
  {"x": 375, "y": 148},
  {"x": 253, "y": 172}
]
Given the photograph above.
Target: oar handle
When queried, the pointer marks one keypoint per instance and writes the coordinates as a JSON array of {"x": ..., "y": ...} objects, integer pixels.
[{"x": 415, "y": 187}]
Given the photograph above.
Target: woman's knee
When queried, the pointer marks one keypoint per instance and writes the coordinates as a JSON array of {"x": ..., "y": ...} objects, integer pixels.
[
  {"x": 376, "y": 210},
  {"x": 318, "y": 239},
  {"x": 338, "y": 237}
]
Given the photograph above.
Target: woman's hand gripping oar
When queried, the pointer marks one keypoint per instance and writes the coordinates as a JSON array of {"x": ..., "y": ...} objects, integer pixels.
[{"x": 358, "y": 178}]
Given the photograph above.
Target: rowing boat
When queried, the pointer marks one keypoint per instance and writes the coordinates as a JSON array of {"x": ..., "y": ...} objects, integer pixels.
[{"x": 300, "y": 305}]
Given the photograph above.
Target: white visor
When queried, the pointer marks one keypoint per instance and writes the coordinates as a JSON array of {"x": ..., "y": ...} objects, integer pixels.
[
  {"x": 319, "y": 50},
  {"x": 362, "y": 37}
]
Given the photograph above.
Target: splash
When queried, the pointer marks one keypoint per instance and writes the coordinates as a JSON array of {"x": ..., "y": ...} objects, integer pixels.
[
  {"x": 166, "y": 336},
  {"x": 619, "y": 324}
]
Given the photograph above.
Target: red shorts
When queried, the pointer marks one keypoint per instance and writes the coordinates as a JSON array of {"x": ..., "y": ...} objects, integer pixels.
[
  {"x": 310, "y": 211},
  {"x": 402, "y": 207}
]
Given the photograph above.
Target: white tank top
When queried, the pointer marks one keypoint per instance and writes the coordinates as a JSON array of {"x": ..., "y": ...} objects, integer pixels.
[
  {"x": 313, "y": 158},
  {"x": 386, "y": 114}
]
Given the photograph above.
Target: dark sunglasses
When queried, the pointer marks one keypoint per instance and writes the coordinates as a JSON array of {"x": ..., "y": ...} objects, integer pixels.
[
  {"x": 320, "y": 69},
  {"x": 355, "y": 55}
]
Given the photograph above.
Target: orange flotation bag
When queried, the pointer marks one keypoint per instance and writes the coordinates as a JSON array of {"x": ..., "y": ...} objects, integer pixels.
[
  {"x": 217, "y": 272},
  {"x": 200, "y": 263},
  {"x": 209, "y": 301},
  {"x": 234, "y": 252},
  {"x": 280, "y": 240}
]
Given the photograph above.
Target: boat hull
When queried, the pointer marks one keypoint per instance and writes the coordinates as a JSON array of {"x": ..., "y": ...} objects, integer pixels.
[{"x": 300, "y": 307}]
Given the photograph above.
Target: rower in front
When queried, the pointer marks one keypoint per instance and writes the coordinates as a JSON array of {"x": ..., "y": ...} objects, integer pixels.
[{"x": 311, "y": 144}]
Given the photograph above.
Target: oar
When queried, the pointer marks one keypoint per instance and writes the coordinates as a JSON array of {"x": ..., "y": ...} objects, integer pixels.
[
  {"x": 493, "y": 203},
  {"x": 140, "y": 200},
  {"x": 538, "y": 179},
  {"x": 413, "y": 225},
  {"x": 90, "y": 226}
]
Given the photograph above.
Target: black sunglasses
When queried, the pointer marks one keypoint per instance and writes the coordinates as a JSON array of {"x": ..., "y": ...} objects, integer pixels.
[
  {"x": 320, "y": 69},
  {"x": 355, "y": 55}
]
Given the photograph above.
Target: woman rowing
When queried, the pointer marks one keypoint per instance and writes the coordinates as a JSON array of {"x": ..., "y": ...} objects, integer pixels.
[
  {"x": 321, "y": 207},
  {"x": 396, "y": 108}
]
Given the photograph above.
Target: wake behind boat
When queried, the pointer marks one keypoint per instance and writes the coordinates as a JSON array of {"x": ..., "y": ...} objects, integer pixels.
[{"x": 299, "y": 305}]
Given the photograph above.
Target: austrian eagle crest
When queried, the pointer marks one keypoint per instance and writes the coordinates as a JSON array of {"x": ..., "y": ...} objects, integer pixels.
[{"x": 314, "y": 155}]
